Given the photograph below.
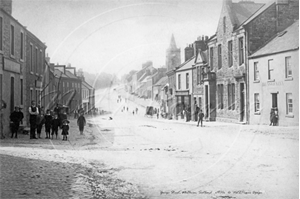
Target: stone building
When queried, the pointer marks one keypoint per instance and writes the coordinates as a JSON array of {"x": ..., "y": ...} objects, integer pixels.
[
  {"x": 12, "y": 65},
  {"x": 274, "y": 79},
  {"x": 173, "y": 59},
  {"x": 243, "y": 28}
]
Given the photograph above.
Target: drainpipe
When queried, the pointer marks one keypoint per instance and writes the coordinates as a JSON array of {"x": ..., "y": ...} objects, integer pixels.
[{"x": 247, "y": 75}]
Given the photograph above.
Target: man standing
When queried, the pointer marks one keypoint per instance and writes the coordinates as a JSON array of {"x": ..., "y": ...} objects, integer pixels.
[
  {"x": 200, "y": 118},
  {"x": 33, "y": 111},
  {"x": 14, "y": 122}
]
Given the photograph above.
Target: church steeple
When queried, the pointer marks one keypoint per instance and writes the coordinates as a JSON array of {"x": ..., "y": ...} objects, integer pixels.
[
  {"x": 172, "y": 55},
  {"x": 172, "y": 43}
]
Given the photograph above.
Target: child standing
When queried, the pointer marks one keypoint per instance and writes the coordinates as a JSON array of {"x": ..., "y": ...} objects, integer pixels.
[
  {"x": 65, "y": 129},
  {"x": 39, "y": 123},
  {"x": 48, "y": 123},
  {"x": 55, "y": 124}
]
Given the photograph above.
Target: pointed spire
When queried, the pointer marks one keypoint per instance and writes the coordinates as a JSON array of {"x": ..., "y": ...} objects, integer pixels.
[{"x": 172, "y": 43}]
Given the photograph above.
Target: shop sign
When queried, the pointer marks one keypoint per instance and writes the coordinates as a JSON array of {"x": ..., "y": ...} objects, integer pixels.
[{"x": 12, "y": 66}]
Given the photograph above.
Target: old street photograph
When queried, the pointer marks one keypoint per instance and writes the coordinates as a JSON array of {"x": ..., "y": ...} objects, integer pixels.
[{"x": 149, "y": 99}]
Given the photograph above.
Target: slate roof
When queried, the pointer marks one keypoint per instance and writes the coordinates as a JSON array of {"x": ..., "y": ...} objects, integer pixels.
[
  {"x": 71, "y": 75},
  {"x": 162, "y": 81},
  {"x": 58, "y": 73},
  {"x": 187, "y": 65},
  {"x": 84, "y": 83},
  {"x": 284, "y": 41},
  {"x": 243, "y": 10}
]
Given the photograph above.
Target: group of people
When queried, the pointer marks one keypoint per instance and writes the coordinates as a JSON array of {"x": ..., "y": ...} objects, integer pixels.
[{"x": 52, "y": 121}]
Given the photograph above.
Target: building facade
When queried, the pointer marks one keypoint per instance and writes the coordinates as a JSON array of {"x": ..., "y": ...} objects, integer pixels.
[
  {"x": 173, "y": 59},
  {"x": 238, "y": 36},
  {"x": 274, "y": 79}
]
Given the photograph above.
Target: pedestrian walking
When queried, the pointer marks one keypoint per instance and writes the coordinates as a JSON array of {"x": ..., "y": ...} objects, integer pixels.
[
  {"x": 133, "y": 112},
  {"x": 127, "y": 108},
  {"x": 81, "y": 123},
  {"x": 39, "y": 123},
  {"x": 200, "y": 118},
  {"x": 65, "y": 129},
  {"x": 48, "y": 123},
  {"x": 272, "y": 117},
  {"x": 136, "y": 110},
  {"x": 14, "y": 122},
  {"x": 55, "y": 124},
  {"x": 33, "y": 111}
]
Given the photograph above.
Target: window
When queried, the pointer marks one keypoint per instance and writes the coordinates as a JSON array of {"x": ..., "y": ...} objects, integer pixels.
[
  {"x": 230, "y": 54},
  {"x": 187, "y": 81},
  {"x": 21, "y": 86},
  {"x": 270, "y": 70},
  {"x": 229, "y": 91},
  {"x": 256, "y": 102},
  {"x": 289, "y": 104},
  {"x": 241, "y": 51},
  {"x": 1, "y": 33},
  {"x": 198, "y": 75},
  {"x": 288, "y": 67},
  {"x": 37, "y": 67},
  {"x": 12, "y": 40},
  {"x": 211, "y": 56},
  {"x": 232, "y": 97},
  {"x": 256, "y": 71},
  {"x": 219, "y": 56},
  {"x": 22, "y": 46},
  {"x": 31, "y": 95},
  {"x": 179, "y": 81},
  {"x": 220, "y": 96},
  {"x": 31, "y": 58},
  {"x": 224, "y": 24}
]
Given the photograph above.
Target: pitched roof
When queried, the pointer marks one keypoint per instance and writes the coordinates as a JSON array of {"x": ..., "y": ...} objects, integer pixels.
[
  {"x": 187, "y": 65},
  {"x": 84, "y": 83},
  {"x": 241, "y": 11},
  {"x": 71, "y": 75},
  {"x": 58, "y": 73},
  {"x": 162, "y": 81},
  {"x": 283, "y": 41},
  {"x": 259, "y": 11}
]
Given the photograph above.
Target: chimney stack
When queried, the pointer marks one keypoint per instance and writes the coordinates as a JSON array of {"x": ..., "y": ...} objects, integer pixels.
[{"x": 6, "y": 5}]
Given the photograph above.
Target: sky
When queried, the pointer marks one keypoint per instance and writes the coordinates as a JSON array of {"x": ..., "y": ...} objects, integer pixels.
[{"x": 116, "y": 36}]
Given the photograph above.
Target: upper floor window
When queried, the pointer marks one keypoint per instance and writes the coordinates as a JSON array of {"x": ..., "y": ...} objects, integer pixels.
[
  {"x": 211, "y": 57},
  {"x": 230, "y": 54},
  {"x": 179, "y": 81},
  {"x": 256, "y": 71},
  {"x": 198, "y": 75},
  {"x": 224, "y": 24},
  {"x": 12, "y": 40},
  {"x": 219, "y": 56},
  {"x": 31, "y": 58},
  {"x": 22, "y": 45},
  {"x": 187, "y": 81},
  {"x": 270, "y": 70},
  {"x": 220, "y": 96},
  {"x": 241, "y": 50},
  {"x": 1, "y": 33},
  {"x": 37, "y": 67},
  {"x": 288, "y": 67}
]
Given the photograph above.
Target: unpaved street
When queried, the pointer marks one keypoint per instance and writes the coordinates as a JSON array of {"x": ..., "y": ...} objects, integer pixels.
[{"x": 133, "y": 156}]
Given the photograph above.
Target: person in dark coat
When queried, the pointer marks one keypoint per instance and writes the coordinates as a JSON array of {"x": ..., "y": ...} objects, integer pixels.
[
  {"x": 81, "y": 123},
  {"x": 55, "y": 124},
  {"x": 14, "y": 122},
  {"x": 21, "y": 115},
  {"x": 33, "y": 111},
  {"x": 65, "y": 129},
  {"x": 200, "y": 118},
  {"x": 39, "y": 123},
  {"x": 48, "y": 123},
  {"x": 272, "y": 117}
]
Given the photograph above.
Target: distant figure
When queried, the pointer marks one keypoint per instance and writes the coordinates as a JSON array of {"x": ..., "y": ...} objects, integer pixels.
[
  {"x": 127, "y": 108},
  {"x": 48, "y": 123},
  {"x": 157, "y": 114},
  {"x": 55, "y": 125},
  {"x": 136, "y": 110},
  {"x": 39, "y": 123},
  {"x": 81, "y": 123},
  {"x": 75, "y": 114},
  {"x": 200, "y": 118},
  {"x": 65, "y": 129},
  {"x": 133, "y": 112},
  {"x": 14, "y": 122}
]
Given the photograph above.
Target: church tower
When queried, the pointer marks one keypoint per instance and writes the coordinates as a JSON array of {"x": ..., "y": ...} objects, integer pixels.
[{"x": 173, "y": 58}]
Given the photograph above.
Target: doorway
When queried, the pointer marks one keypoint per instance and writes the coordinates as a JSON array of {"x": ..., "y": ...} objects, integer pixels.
[
  {"x": 242, "y": 103},
  {"x": 274, "y": 100}
]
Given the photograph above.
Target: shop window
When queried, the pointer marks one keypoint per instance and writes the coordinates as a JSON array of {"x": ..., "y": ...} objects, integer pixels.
[{"x": 256, "y": 103}]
